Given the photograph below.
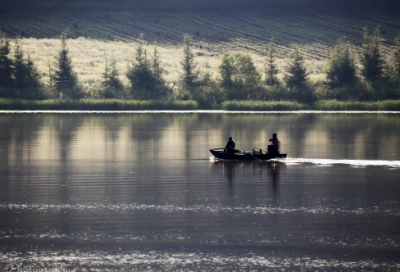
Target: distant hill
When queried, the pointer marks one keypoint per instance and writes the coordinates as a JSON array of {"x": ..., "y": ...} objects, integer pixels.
[
  {"x": 34, "y": 6},
  {"x": 213, "y": 32}
]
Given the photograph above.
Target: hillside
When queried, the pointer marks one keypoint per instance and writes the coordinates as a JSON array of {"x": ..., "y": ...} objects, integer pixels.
[
  {"x": 97, "y": 33},
  {"x": 245, "y": 31}
]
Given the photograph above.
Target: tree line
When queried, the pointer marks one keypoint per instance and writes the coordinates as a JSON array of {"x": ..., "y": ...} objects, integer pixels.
[{"x": 369, "y": 79}]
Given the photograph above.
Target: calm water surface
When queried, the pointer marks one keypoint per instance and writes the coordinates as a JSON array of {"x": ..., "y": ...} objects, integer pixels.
[{"x": 128, "y": 192}]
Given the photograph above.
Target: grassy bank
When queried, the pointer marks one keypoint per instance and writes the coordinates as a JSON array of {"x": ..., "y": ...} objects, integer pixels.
[
  {"x": 387, "y": 105},
  {"x": 119, "y": 105},
  {"x": 95, "y": 104},
  {"x": 263, "y": 105}
]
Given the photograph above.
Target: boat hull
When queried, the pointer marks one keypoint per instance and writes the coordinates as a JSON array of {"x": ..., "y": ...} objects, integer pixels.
[{"x": 242, "y": 155}]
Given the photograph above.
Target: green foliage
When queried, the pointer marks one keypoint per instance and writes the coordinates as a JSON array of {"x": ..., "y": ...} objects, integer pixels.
[
  {"x": 340, "y": 69},
  {"x": 65, "y": 78},
  {"x": 188, "y": 64},
  {"x": 95, "y": 104},
  {"x": 296, "y": 74},
  {"x": 389, "y": 105},
  {"x": 271, "y": 69},
  {"x": 296, "y": 78},
  {"x": 158, "y": 71},
  {"x": 146, "y": 77},
  {"x": 396, "y": 59},
  {"x": 239, "y": 76},
  {"x": 26, "y": 76},
  {"x": 263, "y": 105},
  {"x": 111, "y": 76},
  {"x": 371, "y": 58},
  {"x": 6, "y": 67},
  {"x": 226, "y": 70}
]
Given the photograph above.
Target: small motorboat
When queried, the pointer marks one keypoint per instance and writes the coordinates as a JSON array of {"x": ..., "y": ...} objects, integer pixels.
[
  {"x": 256, "y": 154},
  {"x": 219, "y": 153}
]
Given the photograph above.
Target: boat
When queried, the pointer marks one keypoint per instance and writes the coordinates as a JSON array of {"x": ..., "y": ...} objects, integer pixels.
[
  {"x": 219, "y": 153},
  {"x": 256, "y": 154}
]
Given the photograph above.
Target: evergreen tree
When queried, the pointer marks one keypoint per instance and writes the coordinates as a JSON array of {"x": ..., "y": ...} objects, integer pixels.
[
  {"x": 64, "y": 77},
  {"x": 140, "y": 75},
  {"x": 26, "y": 76},
  {"x": 156, "y": 66},
  {"x": 396, "y": 59},
  {"x": 111, "y": 75},
  {"x": 371, "y": 57},
  {"x": 190, "y": 74},
  {"x": 271, "y": 70},
  {"x": 296, "y": 75},
  {"x": 6, "y": 67},
  {"x": 341, "y": 69}
]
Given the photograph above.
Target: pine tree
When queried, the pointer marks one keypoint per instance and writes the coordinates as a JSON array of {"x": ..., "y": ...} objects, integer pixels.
[
  {"x": 106, "y": 73},
  {"x": 156, "y": 66},
  {"x": 6, "y": 67},
  {"x": 140, "y": 75},
  {"x": 371, "y": 57},
  {"x": 271, "y": 70},
  {"x": 190, "y": 74},
  {"x": 64, "y": 77},
  {"x": 26, "y": 76},
  {"x": 396, "y": 59},
  {"x": 296, "y": 75},
  {"x": 341, "y": 69},
  {"x": 111, "y": 80},
  {"x": 114, "y": 80}
]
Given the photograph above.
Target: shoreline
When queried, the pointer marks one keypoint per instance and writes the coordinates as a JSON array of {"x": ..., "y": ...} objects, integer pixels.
[{"x": 193, "y": 111}]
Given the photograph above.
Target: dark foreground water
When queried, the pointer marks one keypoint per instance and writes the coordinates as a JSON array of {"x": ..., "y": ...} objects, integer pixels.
[{"x": 140, "y": 192}]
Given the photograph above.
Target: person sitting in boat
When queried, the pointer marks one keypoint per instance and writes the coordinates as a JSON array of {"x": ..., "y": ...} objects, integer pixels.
[
  {"x": 274, "y": 148},
  {"x": 230, "y": 146}
]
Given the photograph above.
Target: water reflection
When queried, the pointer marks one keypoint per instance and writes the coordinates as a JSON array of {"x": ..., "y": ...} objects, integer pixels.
[{"x": 145, "y": 181}]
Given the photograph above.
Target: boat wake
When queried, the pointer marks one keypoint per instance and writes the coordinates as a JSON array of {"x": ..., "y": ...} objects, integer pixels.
[{"x": 328, "y": 162}]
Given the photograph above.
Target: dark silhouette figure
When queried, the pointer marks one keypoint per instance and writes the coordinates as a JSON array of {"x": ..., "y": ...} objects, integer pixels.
[
  {"x": 230, "y": 146},
  {"x": 274, "y": 148}
]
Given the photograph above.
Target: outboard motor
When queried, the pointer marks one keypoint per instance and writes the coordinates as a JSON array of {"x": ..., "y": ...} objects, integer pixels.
[{"x": 272, "y": 149}]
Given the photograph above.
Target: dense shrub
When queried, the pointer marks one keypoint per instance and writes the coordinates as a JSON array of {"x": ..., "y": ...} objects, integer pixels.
[{"x": 239, "y": 76}]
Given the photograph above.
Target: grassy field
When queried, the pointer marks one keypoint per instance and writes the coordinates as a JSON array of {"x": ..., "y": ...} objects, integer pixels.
[{"x": 96, "y": 34}]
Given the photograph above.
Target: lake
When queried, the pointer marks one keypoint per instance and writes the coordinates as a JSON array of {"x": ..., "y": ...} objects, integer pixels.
[{"x": 134, "y": 192}]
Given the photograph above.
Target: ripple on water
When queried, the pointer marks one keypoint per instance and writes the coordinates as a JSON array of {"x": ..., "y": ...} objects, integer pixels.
[
  {"x": 74, "y": 260},
  {"x": 392, "y": 208}
]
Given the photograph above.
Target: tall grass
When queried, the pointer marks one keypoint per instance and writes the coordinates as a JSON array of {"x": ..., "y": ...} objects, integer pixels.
[
  {"x": 389, "y": 105},
  {"x": 251, "y": 105},
  {"x": 95, "y": 104},
  {"x": 116, "y": 105}
]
